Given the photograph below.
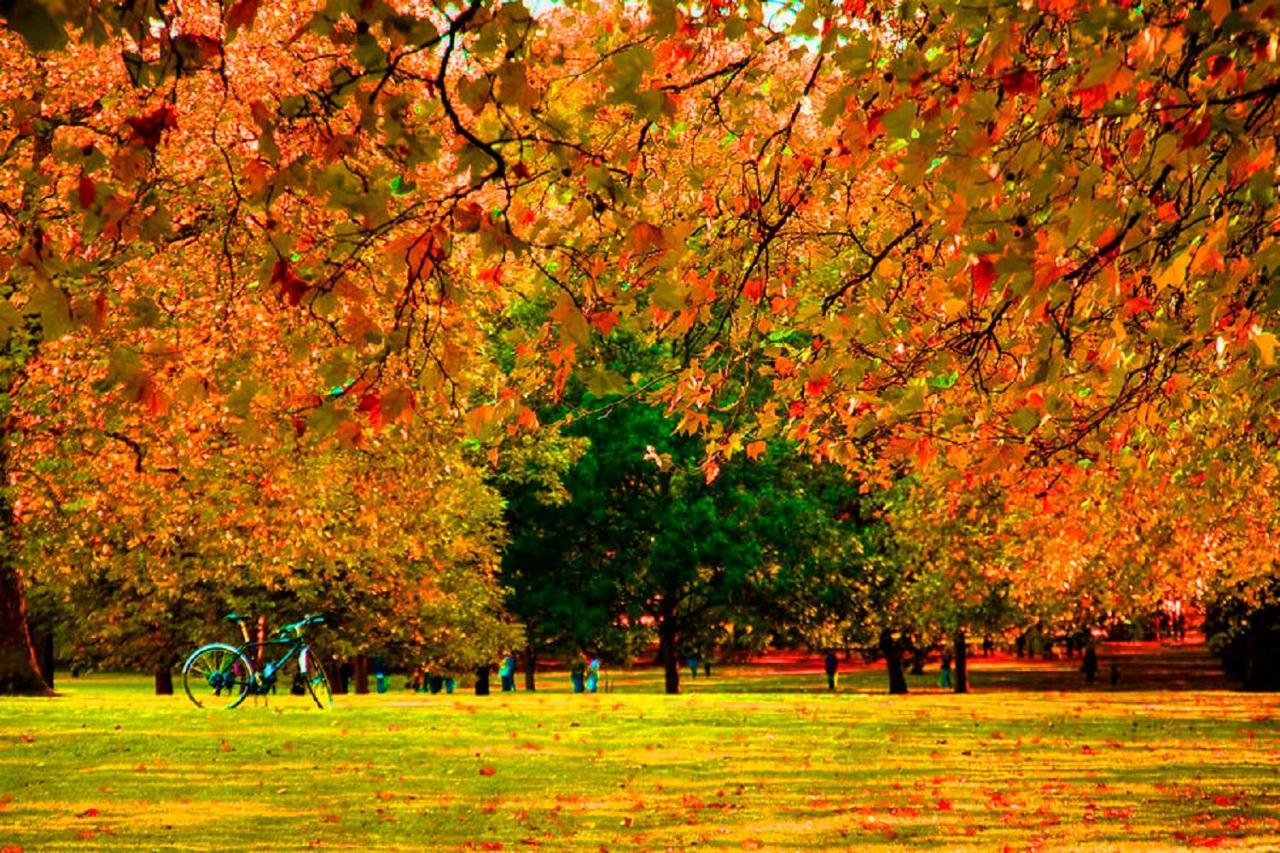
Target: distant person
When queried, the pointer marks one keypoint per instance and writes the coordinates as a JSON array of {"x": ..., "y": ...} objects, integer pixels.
[
  {"x": 1115, "y": 673},
  {"x": 706, "y": 666},
  {"x": 482, "y": 680},
  {"x": 593, "y": 675},
  {"x": 578, "y": 675},
  {"x": 692, "y": 660},
  {"x": 1090, "y": 665},
  {"x": 832, "y": 667},
  {"x": 436, "y": 683},
  {"x": 987, "y": 645},
  {"x": 449, "y": 684},
  {"x": 507, "y": 672},
  {"x": 1020, "y": 645},
  {"x": 944, "y": 672}
]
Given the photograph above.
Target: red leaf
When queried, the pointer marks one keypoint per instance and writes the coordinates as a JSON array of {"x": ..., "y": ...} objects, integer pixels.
[
  {"x": 371, "y": 405},
  {"x": 604, "y": 321},
  {"x": 753, "y": 289},
  {"x": 1093, "y": 98},
  {"x": 86, "y": 192},
  {"x": 1020, "y": 81},
  {"x": 944, "y": 805},
  {"x": 1195, "y": 134},
  {"x": 292, "y": 288},
  {"x": 88, "y": 813},
  {"x": 488, "y": 771},
  {"x": 1137, "y": 305},
  {"x": 147, "y": 129},
  {"x": 817, "y": 386},
  {"x": 491, "y": 845},
  {"x": 982, "y": 274}
]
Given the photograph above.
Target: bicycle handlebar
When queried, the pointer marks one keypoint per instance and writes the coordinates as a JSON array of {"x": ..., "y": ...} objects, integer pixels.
[{"x": 296, "y": 627}]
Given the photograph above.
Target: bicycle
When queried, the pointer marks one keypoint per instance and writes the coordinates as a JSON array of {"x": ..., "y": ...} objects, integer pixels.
[{"x": 224, "y": 674}]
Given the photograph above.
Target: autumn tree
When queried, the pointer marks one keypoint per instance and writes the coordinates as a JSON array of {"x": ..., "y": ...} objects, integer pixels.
[{"x": 952, "y": 236}]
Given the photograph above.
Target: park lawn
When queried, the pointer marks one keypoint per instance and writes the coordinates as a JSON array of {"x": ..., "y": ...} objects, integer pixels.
[{"x": 723, "y": 765}]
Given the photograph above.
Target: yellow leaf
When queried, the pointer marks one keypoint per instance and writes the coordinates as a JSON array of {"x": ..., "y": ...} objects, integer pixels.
[{"x": 1266, "y": 344}]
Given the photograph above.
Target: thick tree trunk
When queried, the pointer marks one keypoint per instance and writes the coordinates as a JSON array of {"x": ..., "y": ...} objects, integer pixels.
[
  {"x": 19, "y": 665},
  {"x": 42, "y": 640},
  {"x": 893, "y": 662},
  {"x": 667, "y": 654},
  {"x": 960, "y": 674},
  {"x": 164, "y": 681},
  {"x": 530, "y": 669},
  {"x": 362, "y": 673}
]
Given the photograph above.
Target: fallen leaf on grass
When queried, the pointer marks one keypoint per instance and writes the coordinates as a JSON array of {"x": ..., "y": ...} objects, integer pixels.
[
  {"x": 488, "y": 771},
  {"x": 88, "y": 813},
  {"x": 1200, "y": 840}
]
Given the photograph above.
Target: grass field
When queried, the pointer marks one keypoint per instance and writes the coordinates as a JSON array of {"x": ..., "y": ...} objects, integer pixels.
[{"x": 757, "y": 757}]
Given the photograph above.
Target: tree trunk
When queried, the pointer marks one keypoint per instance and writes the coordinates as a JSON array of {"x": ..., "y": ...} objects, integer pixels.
[
  {"x": 362, "y": 673},
  {"x": 1261, "y": 645},
  {"x": 960, "y": 674},
  {"x": 917, "y": 662},
  {"x": 530, "y": 668},
  {"x": 893, "y": 662},
  {"x": 42, "y": 639},
  {"x": 667, "y": 654},
  {"x": 164, "y": 680},
  {"x": 339, "y": 675},
  {"x": 19, "y": 665}
]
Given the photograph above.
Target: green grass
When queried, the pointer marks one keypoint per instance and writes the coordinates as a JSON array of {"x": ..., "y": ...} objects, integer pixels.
[{"x": 109, "y": 765}]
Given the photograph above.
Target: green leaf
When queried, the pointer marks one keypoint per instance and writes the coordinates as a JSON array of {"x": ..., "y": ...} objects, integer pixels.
[
  {"x": 1025, "y": 419},
  {"x": 50, "y": 303}
]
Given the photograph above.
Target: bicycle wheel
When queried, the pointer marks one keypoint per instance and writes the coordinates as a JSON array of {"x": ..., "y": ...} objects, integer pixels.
[
  {"x": 217, "y": 675},
  {"x": 317, "y": 682}
]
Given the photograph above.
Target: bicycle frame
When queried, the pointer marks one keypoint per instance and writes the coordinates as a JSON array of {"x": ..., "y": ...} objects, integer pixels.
[{"x": 264, "y": 679}]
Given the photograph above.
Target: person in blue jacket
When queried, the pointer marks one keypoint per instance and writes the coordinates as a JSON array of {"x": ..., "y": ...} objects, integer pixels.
[{"x": 507, "y": 672}]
